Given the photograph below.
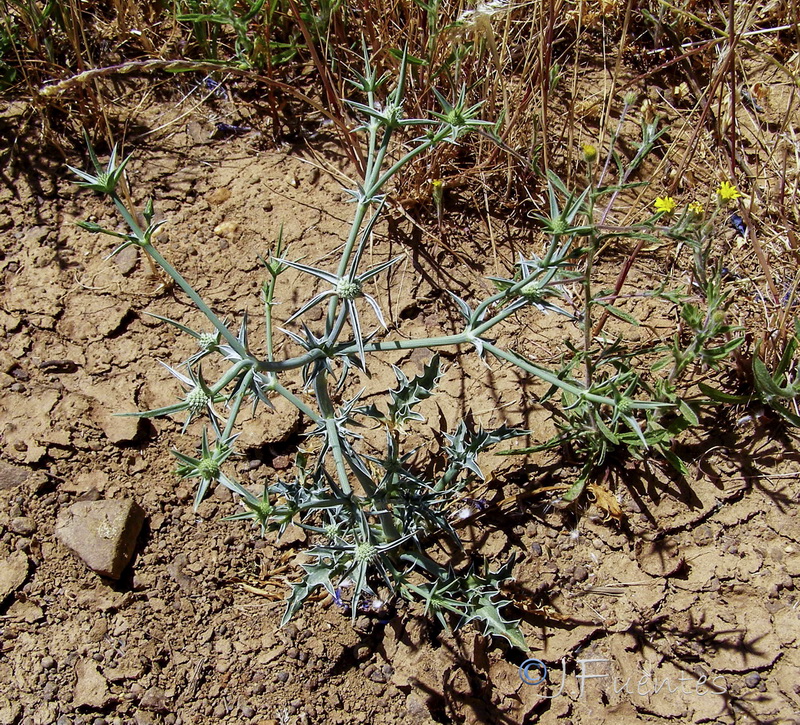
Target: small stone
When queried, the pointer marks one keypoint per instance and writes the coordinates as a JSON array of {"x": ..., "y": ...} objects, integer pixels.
[
  {"x": 248, "y": 711},
  {"x": 35, "y": 236},
  {"x": 47, "y": 662},
  {"x": 226, "y": 229},
  {"x": 154, "y": 699},
  {"x": 91, "y": 688},
  {"x": 218, "y": 196},
  {"x": 282, "y": 676},
  {"x": 23, "y": 525},
  {"x": 126, "y": 259},
  {"x": 12, "y": 476},
  {"x": 703, "y": 535},
  {"x": 13, "y": 573},
  {"x": 752, "y": 679},
  {"x": 222, "y": 493},
  {"x": 220, "y": 711},
  {"x": 27, "y": 611},
  {"x": 580, "y": 573},
  {"x": 102, "y": 533}
]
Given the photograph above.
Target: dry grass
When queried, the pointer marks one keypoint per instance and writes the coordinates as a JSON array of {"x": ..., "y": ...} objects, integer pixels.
[{"x": 551, "y": 74}]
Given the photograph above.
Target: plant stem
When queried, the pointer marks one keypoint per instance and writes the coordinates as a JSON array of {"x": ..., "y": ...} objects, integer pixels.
[{"x": 230, "y": 338}]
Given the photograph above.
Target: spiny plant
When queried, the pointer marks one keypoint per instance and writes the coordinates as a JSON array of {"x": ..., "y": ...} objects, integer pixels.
[{"x": 372, "y": 517}]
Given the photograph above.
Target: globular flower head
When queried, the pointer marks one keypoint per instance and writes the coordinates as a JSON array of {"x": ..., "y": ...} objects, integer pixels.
[
  {"x": 727, "y": 192},
  {"x": 347, "y": 289},
  {"x": 665, "y": 205},
  {"x": 365, "y": 552},
  {"x": 196, "y": 400}
]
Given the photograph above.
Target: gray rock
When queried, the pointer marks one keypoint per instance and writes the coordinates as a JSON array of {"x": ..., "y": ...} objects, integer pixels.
[
  {"x": 23, "y": 525},
  {"x": 13, "y": 572},
  {"x": 12, "y": 476},
  {"x": 126, "y": 260},
  {"x": 102, "y": 533}
]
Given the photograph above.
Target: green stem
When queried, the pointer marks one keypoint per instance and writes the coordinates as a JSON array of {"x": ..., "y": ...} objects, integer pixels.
[
  {"x": 295, "y": 401},
  {"x": 230, "y": 338},
  {"x": 237, "y": 403}
]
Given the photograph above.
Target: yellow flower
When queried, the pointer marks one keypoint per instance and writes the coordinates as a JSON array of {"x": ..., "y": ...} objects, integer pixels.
[
  {"x": 696, "y": 208},
  {"x": 727, "y": 192},
  {"x": 665, "y": 204},
  {"x": 589, "y": 153}
]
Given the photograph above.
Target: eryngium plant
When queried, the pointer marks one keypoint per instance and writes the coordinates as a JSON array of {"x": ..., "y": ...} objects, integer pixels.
[{"x": 371, "y": 517}]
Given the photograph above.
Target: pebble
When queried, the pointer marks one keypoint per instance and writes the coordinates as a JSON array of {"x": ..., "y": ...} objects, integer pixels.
[
  {"x": 752, "y": 679},
  {"x": 23, "y": 544},
  {"x": 282, "y": 676},
  {"x": 13, "y": 573},
  {"x": 102, "y": 533},
  {"x": 580, "y": 573},
  {"x": 154, "y": 699},
  {"x": 248, "y": 711},
  {"x": 23, "y": 525},
  {"x": 47, "y": 662}
]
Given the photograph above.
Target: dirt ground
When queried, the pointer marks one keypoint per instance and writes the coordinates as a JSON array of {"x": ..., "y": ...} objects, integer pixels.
[{"x": 686, "y": 613}]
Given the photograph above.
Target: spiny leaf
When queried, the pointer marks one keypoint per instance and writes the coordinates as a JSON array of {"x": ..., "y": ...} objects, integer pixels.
[{"x": 412, "y": 392}]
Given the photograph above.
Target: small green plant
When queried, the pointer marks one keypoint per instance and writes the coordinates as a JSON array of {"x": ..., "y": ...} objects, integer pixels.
[
  {"x": 651, "y": 392},
  {"x": 780, "y": 389}
]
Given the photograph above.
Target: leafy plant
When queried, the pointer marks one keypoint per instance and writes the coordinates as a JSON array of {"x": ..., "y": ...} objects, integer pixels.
[
  {"x": 649, "y": 407},
  {"x": 371, "y": 517}
]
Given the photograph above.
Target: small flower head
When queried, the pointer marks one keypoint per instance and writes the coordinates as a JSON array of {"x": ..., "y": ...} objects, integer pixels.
[
  {"x": 347, "y": 289},
  {"x": 365, "y": 552},
  {"x": 437, "y": 190},
  {"x": 727, "y": 192},
  {"x": 696, "y": 208},
  {"x": 630, "y": 98},
  {"x": 208, "y": 340},
  {"x": 208, "y": 468},
  {"x": 665, "y": 205},
  {"x": 589, "y": 153},
  {"x": 197, "y": 400}
]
